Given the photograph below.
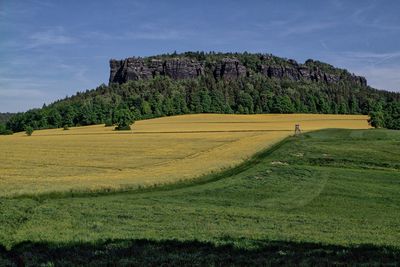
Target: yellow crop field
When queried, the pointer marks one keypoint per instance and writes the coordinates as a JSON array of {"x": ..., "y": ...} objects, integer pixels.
[{"x": 159, "y": 150}]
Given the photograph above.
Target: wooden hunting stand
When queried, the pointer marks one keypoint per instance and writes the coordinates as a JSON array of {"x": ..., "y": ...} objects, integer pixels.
[{"x": 297, "y": 130}]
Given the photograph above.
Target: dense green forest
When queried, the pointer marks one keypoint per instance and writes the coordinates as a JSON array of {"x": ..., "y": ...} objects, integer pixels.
[
  {"x": 254, "y": 93},
  {"x": 4, "y": 117}
]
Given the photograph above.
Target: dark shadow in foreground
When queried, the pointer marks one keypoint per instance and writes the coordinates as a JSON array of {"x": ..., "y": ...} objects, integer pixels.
[{"x": 183, "y": 253}]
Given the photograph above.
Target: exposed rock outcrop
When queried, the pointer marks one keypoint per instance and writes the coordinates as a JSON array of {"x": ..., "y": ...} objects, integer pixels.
[
  {"x": 309, "y": 71},
  {"x": 228, "y": 68},
  {"x": 137, "y": 69}
]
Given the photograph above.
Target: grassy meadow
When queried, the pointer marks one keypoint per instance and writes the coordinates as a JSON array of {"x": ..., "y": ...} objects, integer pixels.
[
  {"x": 156, "y": 151},
  {"x": 325, "y": 197}
]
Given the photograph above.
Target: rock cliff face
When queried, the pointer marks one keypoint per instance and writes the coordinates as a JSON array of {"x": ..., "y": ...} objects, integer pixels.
[
  {"x": 137, "y": 69},
  {"x": 310, "y": 71},
  {"x": 228, "y": 68}
]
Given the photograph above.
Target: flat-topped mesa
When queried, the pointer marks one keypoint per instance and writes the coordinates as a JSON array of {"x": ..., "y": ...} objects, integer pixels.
[{"x": 228, "y": 68}]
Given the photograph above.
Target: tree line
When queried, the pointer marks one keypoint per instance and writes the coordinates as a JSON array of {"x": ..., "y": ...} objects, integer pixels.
[{"x": 162, "y": 96}]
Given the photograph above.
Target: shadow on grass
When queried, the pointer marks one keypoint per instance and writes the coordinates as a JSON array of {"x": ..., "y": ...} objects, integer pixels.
[{"x": 184, "y": 253}]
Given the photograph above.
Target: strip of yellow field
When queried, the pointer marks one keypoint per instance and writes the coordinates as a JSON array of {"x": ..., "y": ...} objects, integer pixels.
[{"x": 159, "y": 150}]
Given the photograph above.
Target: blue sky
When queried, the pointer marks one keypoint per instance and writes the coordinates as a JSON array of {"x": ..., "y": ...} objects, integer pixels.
[{"x": 50, "y": 48}]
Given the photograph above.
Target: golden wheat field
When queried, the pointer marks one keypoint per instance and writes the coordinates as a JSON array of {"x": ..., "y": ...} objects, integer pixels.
[{"x": 159, "y": 150}]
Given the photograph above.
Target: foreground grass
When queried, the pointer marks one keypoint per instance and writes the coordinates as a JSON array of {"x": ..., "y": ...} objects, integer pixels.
[
  {"x": 163, "y": 150},
  {"x": 330, "y": 196}
]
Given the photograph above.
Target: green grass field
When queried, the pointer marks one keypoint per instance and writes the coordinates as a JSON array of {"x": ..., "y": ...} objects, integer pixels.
[{"x": 331, "y": 196}]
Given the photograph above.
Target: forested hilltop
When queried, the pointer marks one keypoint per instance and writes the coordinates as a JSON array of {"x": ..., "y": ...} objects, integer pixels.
[{"x": 198, "y": 82}]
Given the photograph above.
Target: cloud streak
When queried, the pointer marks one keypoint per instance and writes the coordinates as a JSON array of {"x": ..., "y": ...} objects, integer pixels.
[
  {"x": 54, "y": 36},
  {"x": 381, "y": 69},
  {"x": 21, "y": 93},
  {"x": 382, "y": 77},
  {"x": 143, "y": 32},
  {"x": 371, "y": 58},
  {"x": 366, "y": 17},
  {"x": 306, "y": 28},
  {"x": 50, "y": 37}
]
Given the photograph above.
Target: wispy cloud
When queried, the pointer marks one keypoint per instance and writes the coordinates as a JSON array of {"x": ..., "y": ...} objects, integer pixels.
[
  {"x": 167, "y": 34},
  {"x": 324, "y": 45},
  {"x": 306, "y": 28},
  {"x": 337, "y": 3},
  {"x": 366, "y": 17},
  {"x": 297, "y": 25},
  {"x": 77, "y": 71},
  {"x": 21, "y": 93},
  {"x": 382, "y": 77},
  {"x": 16, "y": 9},
  {"x": 371, "y": 57},
  {"x": 143, "y": 32},
  {"x": 24, "y": 82},
  {"x": 381, "y": 69},
  {"x": 54, "y": 36},
  {"x": 49, "y": 37}
]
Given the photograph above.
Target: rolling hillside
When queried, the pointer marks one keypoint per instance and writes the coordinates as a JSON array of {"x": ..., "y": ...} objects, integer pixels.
[
  {"x": 325, "y": 197},
  {"x": 156, "y": 151}
]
